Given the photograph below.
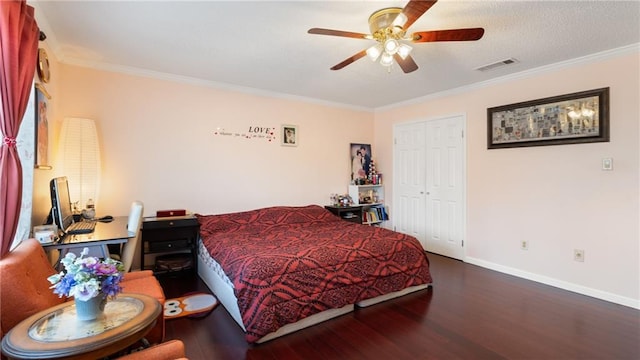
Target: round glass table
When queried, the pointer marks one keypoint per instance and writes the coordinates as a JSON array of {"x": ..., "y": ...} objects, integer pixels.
[{"x": 56, "y": 333}]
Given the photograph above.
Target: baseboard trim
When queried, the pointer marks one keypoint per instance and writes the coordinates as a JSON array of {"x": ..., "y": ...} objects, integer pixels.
[{"x": 583, "y": 290}]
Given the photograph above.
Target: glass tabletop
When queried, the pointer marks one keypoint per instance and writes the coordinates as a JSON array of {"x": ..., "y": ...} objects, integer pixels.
[{"x": 63, "y": 324}]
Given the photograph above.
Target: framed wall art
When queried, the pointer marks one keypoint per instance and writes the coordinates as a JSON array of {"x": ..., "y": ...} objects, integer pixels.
[
  {"x": 360, "y": 155},
  {"x": 581, "y": 117},
  {"x": 41, "y": 160},
  {"x": 289, "y": 135}
]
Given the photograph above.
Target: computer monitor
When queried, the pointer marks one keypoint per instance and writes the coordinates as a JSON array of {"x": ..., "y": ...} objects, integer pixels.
[{"x": 61, "y": 203}]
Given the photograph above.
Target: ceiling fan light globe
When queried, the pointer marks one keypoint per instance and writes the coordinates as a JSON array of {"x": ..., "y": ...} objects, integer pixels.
[
  {"x": 404, "y": 50},
  {"x": 391, "y": 46},
  {"x": 386, "y": 59},
  {"x": 374, "y": 52},
  {"x": 400, "y": 20}
]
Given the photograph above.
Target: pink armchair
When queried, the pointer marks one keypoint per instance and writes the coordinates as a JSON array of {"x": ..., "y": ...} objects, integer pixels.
[
  {"x": 170, "y": 350},
  {"x": 24, "y": 289}
]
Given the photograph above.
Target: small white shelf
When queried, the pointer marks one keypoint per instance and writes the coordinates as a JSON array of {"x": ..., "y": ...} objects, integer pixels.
[
  {"x": 374, "y": 212},
  {"x": 374, "y": 192}
]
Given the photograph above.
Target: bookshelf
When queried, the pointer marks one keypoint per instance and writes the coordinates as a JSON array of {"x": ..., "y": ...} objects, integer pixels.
[{"x": 370, "y": 198}]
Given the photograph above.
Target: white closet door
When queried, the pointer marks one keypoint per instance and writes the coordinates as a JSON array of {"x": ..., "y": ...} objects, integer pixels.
[
  {"x": 409, "y": 180},
  {"x": 445, "y": 186},
  {"x": 429, "y": 183}
]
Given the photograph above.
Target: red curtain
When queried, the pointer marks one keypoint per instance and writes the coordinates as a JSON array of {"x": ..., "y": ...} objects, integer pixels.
[{"x": 18, "y": 51}]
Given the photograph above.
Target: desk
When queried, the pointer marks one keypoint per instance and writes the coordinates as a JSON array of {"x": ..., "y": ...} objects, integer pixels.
[
  {"x": 55, "y": 333},
  {"x": 105, "y": 233}
]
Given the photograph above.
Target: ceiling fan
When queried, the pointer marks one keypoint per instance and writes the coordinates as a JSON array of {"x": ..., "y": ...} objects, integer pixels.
[{"x": 389, "y": 29}]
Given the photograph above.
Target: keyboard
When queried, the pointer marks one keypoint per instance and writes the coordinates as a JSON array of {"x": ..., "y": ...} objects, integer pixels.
[{"x": 81, "y": 227}]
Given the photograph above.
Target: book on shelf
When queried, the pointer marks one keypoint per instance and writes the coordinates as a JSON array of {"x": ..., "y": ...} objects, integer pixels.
[
  {"x": 375, "y": 215},
  {"x": 383, "y": 212}
]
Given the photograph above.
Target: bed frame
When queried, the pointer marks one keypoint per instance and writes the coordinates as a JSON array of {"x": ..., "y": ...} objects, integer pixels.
[{"x": 215, "y": 278}]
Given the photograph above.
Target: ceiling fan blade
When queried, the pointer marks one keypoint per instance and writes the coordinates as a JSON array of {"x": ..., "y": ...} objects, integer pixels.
[
  {"x": 469, "y": 34},
  {"x": 350, "y": 60},
  {"x": 415, "y": 9},
  {"x": 407, "y": 64},
  {"x": 319, "y": 31}
]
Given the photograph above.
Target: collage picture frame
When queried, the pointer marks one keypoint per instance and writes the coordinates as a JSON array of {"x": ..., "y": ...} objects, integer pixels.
[{"x": 581, "y": 117}]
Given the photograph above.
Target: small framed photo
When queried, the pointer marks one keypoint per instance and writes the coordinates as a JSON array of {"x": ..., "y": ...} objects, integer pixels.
[{"x": 289, "y": 135}]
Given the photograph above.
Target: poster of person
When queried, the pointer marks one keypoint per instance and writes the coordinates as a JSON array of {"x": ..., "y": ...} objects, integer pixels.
[
  {"x": 360, "y": 162},
  {"x": 42, "y": 128}
]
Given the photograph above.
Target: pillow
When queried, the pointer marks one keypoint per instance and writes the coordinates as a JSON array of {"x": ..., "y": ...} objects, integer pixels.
[{"x": 259, "y": 220}]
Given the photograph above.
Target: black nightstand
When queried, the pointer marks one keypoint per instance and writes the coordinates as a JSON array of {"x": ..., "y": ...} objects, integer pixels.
[
  {"x": 348, "y": 213},
  {"x": 170, "y": 235}
]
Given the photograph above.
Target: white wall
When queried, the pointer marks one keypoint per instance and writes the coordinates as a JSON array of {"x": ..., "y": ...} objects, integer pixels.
[
  {"x": 555, "y": 197},
  {"x": 158, "y": 144},
  {"x": 41, "y": 199},
  {"x": 158, "y": 147}
]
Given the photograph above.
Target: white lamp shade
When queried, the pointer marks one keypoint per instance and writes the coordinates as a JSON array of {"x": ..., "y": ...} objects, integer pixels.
[
  {"x": 374, "y": 52},
  {"x": 81, "y": 159},
  {"x": 391, "y": 46},
  {"x": 400, "y": 20},
  {"x": 386, "y": 59},
  {"x": 404, "y": 50}
]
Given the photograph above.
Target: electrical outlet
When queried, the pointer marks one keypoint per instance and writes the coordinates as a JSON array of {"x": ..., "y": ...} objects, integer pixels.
[
  {"x": 578, "y": 255},
  {"x": 524, "y": 245}
]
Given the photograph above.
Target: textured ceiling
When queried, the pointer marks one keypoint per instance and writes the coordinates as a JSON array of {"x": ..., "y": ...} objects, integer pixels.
[{"x": 264, "y": 46}]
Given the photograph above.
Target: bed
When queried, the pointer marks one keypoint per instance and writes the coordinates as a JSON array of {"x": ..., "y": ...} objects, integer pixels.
[{"x": 280, "y": 269}]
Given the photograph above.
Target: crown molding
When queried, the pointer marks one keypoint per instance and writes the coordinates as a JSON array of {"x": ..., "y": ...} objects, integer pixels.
[
  {"x": 592, "y": 58},
  {"x": 205, "y": 83}
]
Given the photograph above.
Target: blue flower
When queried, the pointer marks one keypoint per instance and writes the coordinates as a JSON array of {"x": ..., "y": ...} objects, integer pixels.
[{"x": 87, "y": 277}]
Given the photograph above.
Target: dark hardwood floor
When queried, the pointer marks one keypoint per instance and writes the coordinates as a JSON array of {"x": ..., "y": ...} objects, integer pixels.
[{"x": 469, "y": 313}]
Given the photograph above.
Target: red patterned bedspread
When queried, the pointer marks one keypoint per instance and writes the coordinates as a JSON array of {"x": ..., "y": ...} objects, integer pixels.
[{"x": 287, "y": 263}]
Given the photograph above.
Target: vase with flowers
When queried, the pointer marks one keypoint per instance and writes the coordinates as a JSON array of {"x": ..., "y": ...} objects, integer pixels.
[{"x": 89, "y": 280}]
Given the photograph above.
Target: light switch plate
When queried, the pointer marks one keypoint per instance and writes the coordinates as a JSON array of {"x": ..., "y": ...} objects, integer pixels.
[{"x": 607, "y": 164}]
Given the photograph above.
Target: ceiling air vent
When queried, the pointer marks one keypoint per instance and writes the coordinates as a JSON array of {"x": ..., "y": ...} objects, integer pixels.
[{"x": 496, "y": 64}]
